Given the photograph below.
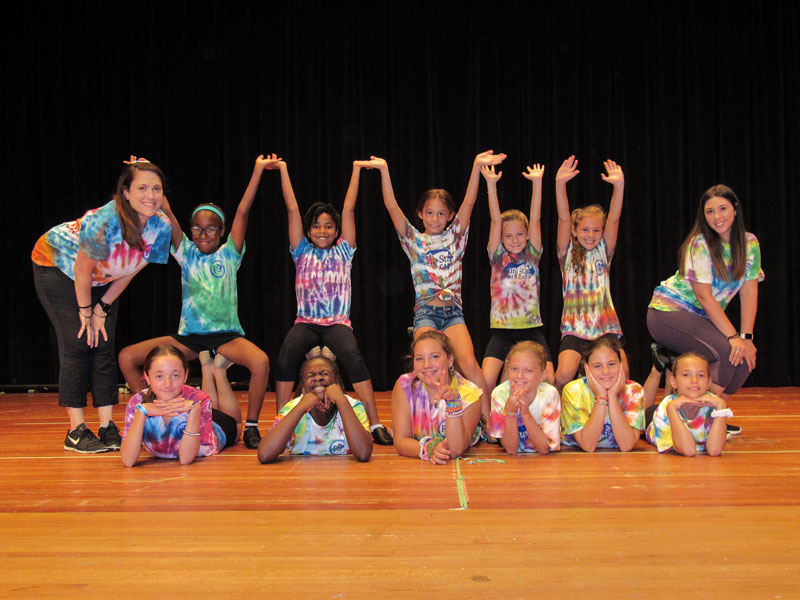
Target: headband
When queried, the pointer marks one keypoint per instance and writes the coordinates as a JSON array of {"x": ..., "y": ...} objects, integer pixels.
[{"x": 213, "y": 209}]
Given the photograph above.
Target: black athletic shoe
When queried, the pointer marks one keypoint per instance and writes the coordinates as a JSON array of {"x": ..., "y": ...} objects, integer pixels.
[
  {"x": 733, "y": 430},
  {"x": 382, "y": 437},
  {"x": 82, "y": 440},
  {"x": 251, "y": 437},
  {"x": 109, "y": 436},
  {"x": 662, "y": 357}
]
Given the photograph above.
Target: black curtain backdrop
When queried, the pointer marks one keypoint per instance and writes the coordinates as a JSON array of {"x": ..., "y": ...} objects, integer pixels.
[{"x": 683, "y": 95}]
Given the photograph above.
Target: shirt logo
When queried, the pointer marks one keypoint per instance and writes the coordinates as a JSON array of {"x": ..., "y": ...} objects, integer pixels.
[
  {"x": 599, "y": 266},
  {"x": 147, "y": 249},
  {"x": 218, "y": 268},
  {"x": 518, "y": 271},
  {"x": 440, "y": 259},
  {"x": 337, "y": 447}
]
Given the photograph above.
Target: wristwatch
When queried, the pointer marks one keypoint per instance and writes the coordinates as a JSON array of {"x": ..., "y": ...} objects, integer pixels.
[
  {"x": 746, "y": 336},
  {"x": 106, "y": 308}
]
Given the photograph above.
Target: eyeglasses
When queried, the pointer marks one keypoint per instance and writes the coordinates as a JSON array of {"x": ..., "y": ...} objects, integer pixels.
[{"x": 209, "y": 231}]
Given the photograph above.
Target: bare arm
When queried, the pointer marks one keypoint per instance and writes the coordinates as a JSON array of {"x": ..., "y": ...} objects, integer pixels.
[
  {"x": 567, "y": 170},
  {"x": 240, "y": 221},
  {"x": 296, "y": 232},
  {"x": 176, "y": 235},
  {"x": 404, "y": 442},
  {"x": 537, "y": 437},
  {"x": 496, "y": 229},
  {"x": 131, "y": 446},
  {"x": 748, "y": 297},
  {"x": 535, "y": 174},
  {"x": 682, "y": 440},
  {"x": 389, "y": 201},
  {"x": 190, "y": 444},
  {"x": 483, "y": 159},
  {"x": 274, "y": 441},
  {"x": 349, "y": 207},
  {"x": 358, "y": 439},
  {"x": 616, "y": 178}
]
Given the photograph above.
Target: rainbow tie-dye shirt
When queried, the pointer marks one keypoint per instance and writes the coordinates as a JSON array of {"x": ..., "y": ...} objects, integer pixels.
[
  {"x": 698, "y": 422},
  {"x": 322, "y": 283},
  {"x": 577, "y": 403},
  {"x": 210, "y": 298},
  {"x": 164, "y": 439},
  {"x": 588, "y": 309},
  {"x": 545, "y": 409},
  {"x": 515, "y": 288},
  {"x": 676, "y": 293},
  {"x": 428, "y": 419},
  {"x": 99, "y": 234},
  {"x": 321, "y": 440},
  {"x": 435, "y": 261}
]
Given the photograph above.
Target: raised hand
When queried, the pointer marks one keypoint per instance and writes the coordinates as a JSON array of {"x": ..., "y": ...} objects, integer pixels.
[
  {"x": 489, "y": 158},
  {"x": 534, "y": 173},
  {"x": 490, "y": 175},
  {"x": 615, "y": 175},
  {"x": 270, "y": 162},
  {"x": 567, "y": 170},
  {"x": 373, "y": 163}
]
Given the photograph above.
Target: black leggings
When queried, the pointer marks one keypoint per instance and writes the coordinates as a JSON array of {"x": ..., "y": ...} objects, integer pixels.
[{"x": 302, "y": 337}]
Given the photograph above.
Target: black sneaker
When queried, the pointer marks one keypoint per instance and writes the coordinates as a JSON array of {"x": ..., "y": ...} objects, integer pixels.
[
  {"x": 382, "y": 437},
  {"x": 733, "y": 430},
  {"x": 109, "y": 436},
  {"x": 251, "y": 437},
  {"x": 82, "y": 440}
]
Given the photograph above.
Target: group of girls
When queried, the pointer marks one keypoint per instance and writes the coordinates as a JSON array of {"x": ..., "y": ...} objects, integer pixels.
[{"x": 438, "y": 407}]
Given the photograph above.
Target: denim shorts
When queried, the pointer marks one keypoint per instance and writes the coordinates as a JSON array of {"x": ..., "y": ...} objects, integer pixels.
[{"x": 438, "y": 317}]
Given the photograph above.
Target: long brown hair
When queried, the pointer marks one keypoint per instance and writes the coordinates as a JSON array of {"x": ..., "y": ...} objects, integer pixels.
[
  {"x": 442, "y": 195},
  {"x": 128, "y": 217},
  {"x": 701, "y": 227},
  {"x": 578, "y": 251}
]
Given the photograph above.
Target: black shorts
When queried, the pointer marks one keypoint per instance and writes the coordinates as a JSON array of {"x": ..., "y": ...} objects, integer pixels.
[
  {"x": 197, "y": 342},
  {"x": 579, "y": 345},
  {"x": 502, "y": 340},
  {"x": 228, "y": 425}
]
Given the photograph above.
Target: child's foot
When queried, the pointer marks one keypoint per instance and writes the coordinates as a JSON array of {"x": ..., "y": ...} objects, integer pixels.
[
  {"x": 205, "y": 358},
  {"x": 251, "y": 437},
  {"x": 83, "y": 441},
  {"x": 381, "y": 436},
  {"x": 221, "y": 362},
  {"x": 109, "y": 436}
]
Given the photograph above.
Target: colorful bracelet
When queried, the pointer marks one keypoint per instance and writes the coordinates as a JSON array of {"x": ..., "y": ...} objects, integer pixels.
[
  {"x": 454, "y": 408},
  {"x": 431, "y": 445},
  {"x": 141, "y": 409},
  {"x": 602, "y": 401},
  {"x": 422, "y": 454}
]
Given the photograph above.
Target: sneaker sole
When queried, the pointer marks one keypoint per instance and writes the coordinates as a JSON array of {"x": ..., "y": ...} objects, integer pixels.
[{"x": 101, "y": 451}]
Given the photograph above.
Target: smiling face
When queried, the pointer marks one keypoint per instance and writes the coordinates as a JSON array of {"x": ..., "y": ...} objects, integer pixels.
[
  {"x": 588, "y": 231},
  {"x": 435, "y": 216},
  {"x": 525, "y": 372},
  {"x": 323, "y": 232},
  {"x": 207, "y": 230},
  {"x": 145, "y": 194},
  {"x": 431, "y": 360},
  {"x": 514, "y": 236},
  {"x": 720, "y": 214},
  {"x": 604, "y": 364},
  {"x": 166, "y": 377},
  {"x": 690, "y": 377}
]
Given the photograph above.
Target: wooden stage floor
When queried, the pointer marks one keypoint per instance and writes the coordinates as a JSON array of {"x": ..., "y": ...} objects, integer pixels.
[{"x": 604, "y": 525}]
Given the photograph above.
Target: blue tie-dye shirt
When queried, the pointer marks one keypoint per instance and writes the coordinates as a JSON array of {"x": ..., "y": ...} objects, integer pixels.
[
  {"x": 99, "y": 234},
  {"x": 322, "y": 283},
  {"x": 210, "y": 296}
]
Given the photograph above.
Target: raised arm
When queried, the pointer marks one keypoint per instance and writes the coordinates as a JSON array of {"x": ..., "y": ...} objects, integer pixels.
[
  {"x": 616, "y": 178},
  {"x": 240, "y": 221},
  {"x": 176, "y": 234},
  {"x": 567, "y": 170},
  {"x": 389, "y": 201},
  {"x": 535, "y": 174},
  {"x": 349, "y": 208},
  {"x": 483, "y": 159},
  {"x": 496, "y": 229},
  {"x": 296, "y": 232}
]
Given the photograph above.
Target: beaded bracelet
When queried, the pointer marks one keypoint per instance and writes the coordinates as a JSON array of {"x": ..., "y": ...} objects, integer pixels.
[
  {"x": 454, "y": 408},
  {"x": 422, "y": 454},
  {"x": 509, "y": 414},
  {"x": 602, "y": 401}
]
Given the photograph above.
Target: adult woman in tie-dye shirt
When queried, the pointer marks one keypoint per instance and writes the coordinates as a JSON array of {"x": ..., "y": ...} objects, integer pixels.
[
  {"x": 585, "y": 246},
  {"x": 435, "y": 411},
  {"x": 515, "y": 247},
  {"x": 322, "y": 245},
  {"x": 435, "y": 255},
  {"x": 718, "y": 259},
  {"x": 210, "y": 308},
  {"x": 80, "y": 268}
]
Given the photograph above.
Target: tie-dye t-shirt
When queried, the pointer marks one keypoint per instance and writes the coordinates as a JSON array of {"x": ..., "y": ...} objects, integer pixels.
[
  {"x": 435, "y": 261},
  {"x": 545, "y": 409},
  {"x": 210, "y": 298},
  {"x": 164, "y": 439},
  {"x": 588, "y": 309},
  {"x": 577, "y": 403},
  {"x": 698, "y": 421},
  {"x": 321, "y": 440},
  {"x": 428, "y": 419},
  {"x": 322, "y": 283},
  {"x": 99, "y": 234},
  {"x": 676, "y": 292},
  {"x": 515, "y": 288}
]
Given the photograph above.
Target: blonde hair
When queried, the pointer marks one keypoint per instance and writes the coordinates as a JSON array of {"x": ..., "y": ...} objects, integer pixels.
[
  {"x": 537, "y": 350},
  {"x": 578, "y": 251},
  {"x": 514, "y": 215},
  {"x": 690, "y": 355}
]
